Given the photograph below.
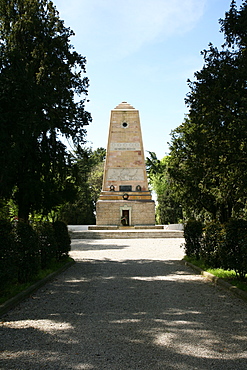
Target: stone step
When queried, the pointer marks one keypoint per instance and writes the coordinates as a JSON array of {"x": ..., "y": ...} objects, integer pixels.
[
  {"x": 125, "y": 228},
  {"x": 124, "y": 234}
]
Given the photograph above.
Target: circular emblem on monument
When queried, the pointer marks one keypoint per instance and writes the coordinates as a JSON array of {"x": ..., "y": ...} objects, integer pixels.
[
  {"x": 124, "y": 124},
  {"x": 126, "y": 196},
  {"x": 112, "y": 188}
]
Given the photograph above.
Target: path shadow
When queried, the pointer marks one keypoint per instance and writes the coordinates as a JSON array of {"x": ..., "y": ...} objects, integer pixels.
[
  {"x": 95, "y": 245},
  {"x": 135, "y": 314}
]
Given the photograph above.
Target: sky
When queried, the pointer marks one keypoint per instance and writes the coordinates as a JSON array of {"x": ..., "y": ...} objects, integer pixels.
[{"x": 142, "y": 52}]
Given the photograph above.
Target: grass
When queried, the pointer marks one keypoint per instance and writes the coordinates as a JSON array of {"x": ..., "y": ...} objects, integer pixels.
[
  {"x": 227, "y": 275},
  {"x": 12, "y": 290}
]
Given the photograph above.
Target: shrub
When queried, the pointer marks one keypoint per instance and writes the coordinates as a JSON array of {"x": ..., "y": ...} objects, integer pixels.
[
  {"x": 193, "y": 238},
  {"x": 47, "y": 243},
  {"x": 62, "y": 239},
  {"x": 233, "y": 252},
  {"x": 27, "y": 251},
  {"x": 212, "y": 239},
  {"x": 24, "y": 250},
  {"x": 8, "y": 258}
]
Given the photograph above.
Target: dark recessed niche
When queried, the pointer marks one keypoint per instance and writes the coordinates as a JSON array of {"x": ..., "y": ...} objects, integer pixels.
[{"x": 125, "y": 188}]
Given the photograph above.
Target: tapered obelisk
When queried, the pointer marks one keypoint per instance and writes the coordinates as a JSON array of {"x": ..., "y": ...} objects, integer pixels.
[{"x": 125, "y": 198}]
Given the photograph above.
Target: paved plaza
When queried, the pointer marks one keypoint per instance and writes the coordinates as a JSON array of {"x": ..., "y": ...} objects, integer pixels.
[{"x": 126, "y": 304}]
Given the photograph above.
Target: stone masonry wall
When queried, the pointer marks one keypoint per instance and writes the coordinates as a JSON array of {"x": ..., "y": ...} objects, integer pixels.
[{"x": 109, "y": 213}]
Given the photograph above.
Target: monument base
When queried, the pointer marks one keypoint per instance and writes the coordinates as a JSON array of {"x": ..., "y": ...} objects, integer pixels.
[
  {"x": 125, "y": 213},
  {"x": 126, "y": 228}
]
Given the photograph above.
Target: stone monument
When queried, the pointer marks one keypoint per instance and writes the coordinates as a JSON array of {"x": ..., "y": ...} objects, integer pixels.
[{"x": 125, "y": 199}]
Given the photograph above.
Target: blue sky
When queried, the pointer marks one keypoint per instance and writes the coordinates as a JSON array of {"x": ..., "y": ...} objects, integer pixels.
[{"x": 142, "y": 52}]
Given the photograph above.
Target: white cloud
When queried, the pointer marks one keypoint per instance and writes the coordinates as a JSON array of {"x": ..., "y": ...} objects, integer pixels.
[{"x": 118, "y": 28}]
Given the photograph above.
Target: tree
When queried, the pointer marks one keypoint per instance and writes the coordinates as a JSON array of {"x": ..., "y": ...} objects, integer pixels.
[
  {"x": 234, "y": 27},
  {"x": 90, "y": 166},
  {"x": 40, "y": 74},
  {"x": 95, "y": 180},
  {"x": 168, "y": 209},
  {"x": 153, "y": 165},
  {"x": 209, "y": 150}
]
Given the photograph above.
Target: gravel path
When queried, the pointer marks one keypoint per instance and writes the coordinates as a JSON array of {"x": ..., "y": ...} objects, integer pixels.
[{"x": 126, "y": 304}]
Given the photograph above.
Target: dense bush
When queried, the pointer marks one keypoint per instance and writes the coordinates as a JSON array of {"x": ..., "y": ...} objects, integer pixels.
[
  {"x": 25, "y": 250},
  {"x": 62, "y": 239},
  {"x": 47, "y": 243},
  {"x": 193, "y": 238},
  {"x": 213, "y": 235},
  {"x": 26, "y": 240},
  {"x": 233, "y": 252},
  {"x": 218, "y": 245},
  {"x": 8, "y": 254}
]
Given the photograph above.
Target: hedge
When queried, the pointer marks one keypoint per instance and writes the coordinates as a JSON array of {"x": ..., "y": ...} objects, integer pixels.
[
  {"x": 26, "y": 249},
  {"x": 219, "y": 246}
]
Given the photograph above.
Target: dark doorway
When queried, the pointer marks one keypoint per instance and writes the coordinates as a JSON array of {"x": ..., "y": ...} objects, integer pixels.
[{"x": 125, "y": 217}]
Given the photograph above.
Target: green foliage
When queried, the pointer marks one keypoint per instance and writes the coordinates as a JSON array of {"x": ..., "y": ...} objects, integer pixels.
[
  {"x": 47, "y": 243},
  {"x": 40, "y": 75},
  {"x": 8, "y": 254},
  {"x": 27, "y": 246},
  {"x": 233, "y": 252},
  {"x": 209, "y": 150},
  {"x": 95, "y": 180},
  {"x": 217, "y": 245},
  {"x": 213, "y": 237},
  {"x": 79, "y": 212},
  {"x": 193, "y": 238},
  {"x": 4, "y": 210},
  {"x": 90, "y": 165},
  {"x": 227, "y": 275},
  {"x": 154, "y": 166},
  {"x": 13, "y": 288},
  {"x": 234, "y": 26},
  {"x": 168, "y": 209},
  {"x": 62, "y": 238},
  {"x": 26, "y": 250}
]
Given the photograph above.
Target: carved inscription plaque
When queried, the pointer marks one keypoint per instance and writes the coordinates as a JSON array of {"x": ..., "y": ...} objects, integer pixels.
[
  {"x": 126, "y": 174},
  {"x": 125, "y": 146}
]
